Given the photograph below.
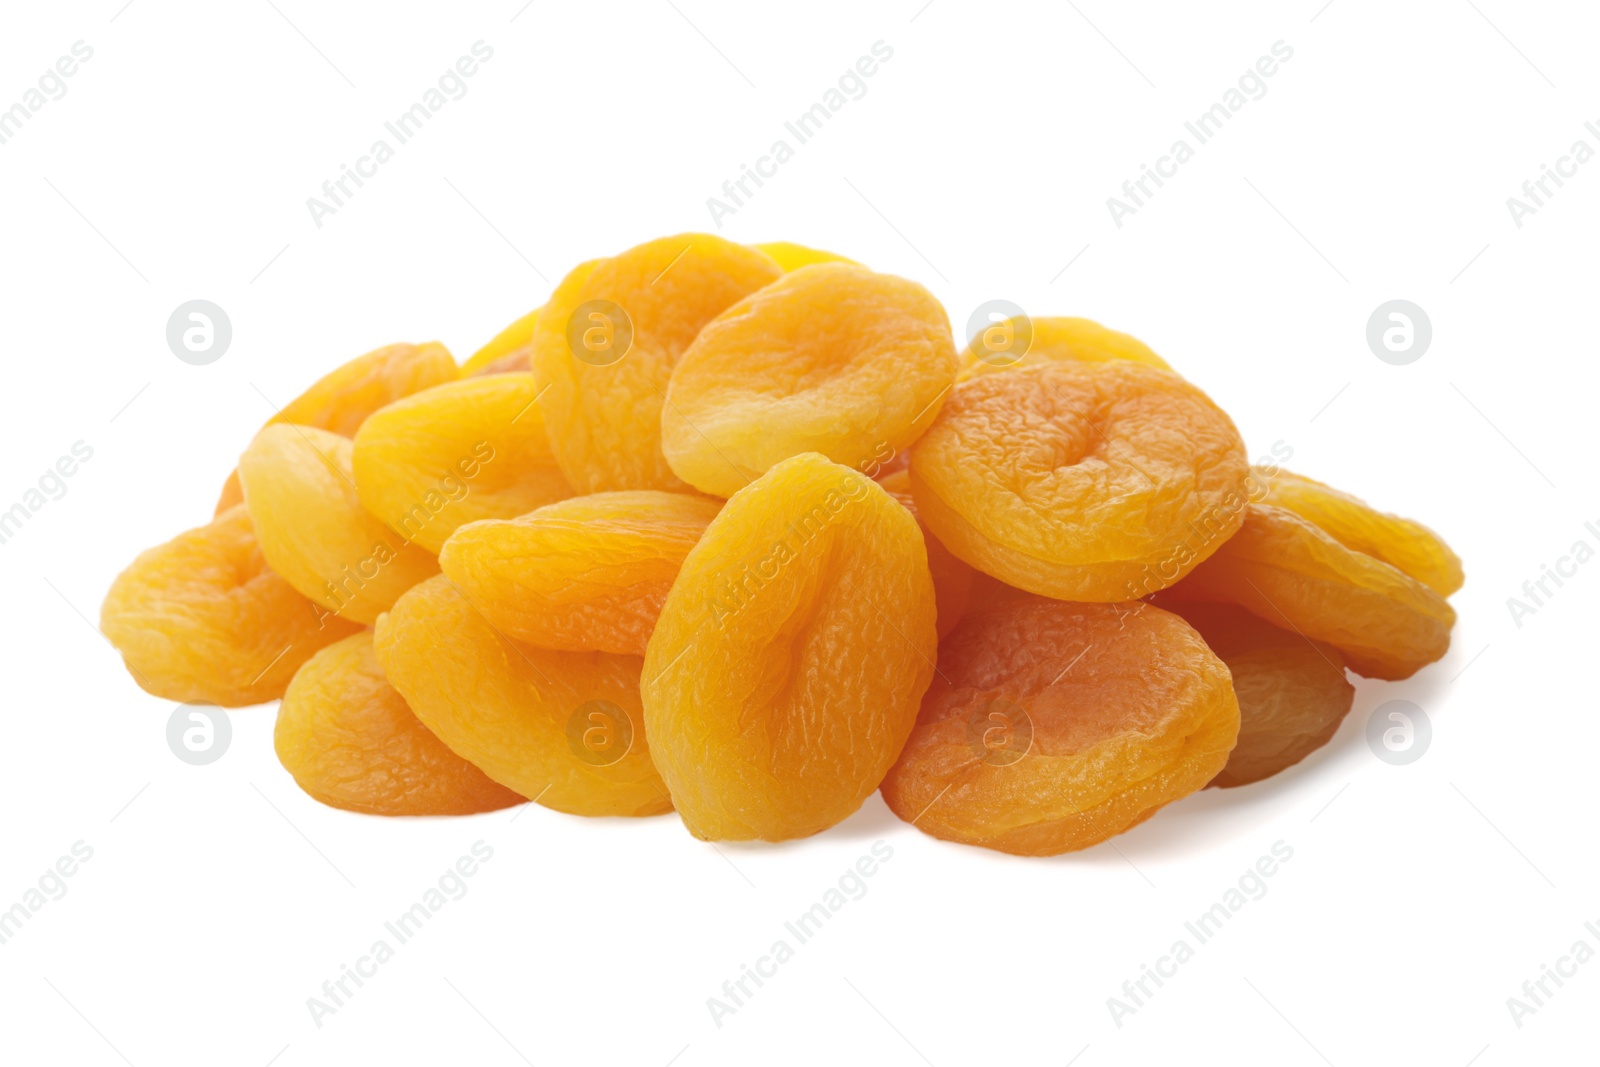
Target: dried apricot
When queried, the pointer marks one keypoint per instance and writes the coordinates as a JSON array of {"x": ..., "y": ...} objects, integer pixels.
[
  {"x": 586, "y": 574},
  {"x": 1081, "y": 481},
  {"x": 786, "y": 666},
  {"x": 341, "y": 400},
  {"x": 1409, "y": 546},
  {"x": 1012, "y": 343},
  {"x": 1293, "y": 693},
  {"x": 202, "y": 618},
  {"x": 1053, "y": 726},
  {"x": 300, "y": 488},
  {"x": 605, "y": 344},
  {"x": 832, "y": 358},
  {"x": 562, "y": 728},
  {"x": 349, "y": 740},
  {"x": 467, "y": 450},
  {"x": 513, "y": 342},
  {"x": 952, "y": 579},
  {"x": 791, "y": 256},
  {"x": 1290, "y": 572}
]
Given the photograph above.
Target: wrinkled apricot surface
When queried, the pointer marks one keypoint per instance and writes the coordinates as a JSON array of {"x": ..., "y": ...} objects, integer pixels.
[
  {"x": 1293, "y": 693},
  {"x": 788, "y": 661},
  {"x": 586, "y": 574},
  {"x": 563, "y": 729},
  {"x": 791, "y": 256},
  {"x": 349, "y": 740},
  {"x": 202, "y": 618},
  {"x": 831, "y": 358},
  {"x": 300, "y": 488},
  {"x": 1053, "y": 726},
  {"x": 467, "y": 450},
  {"x": 1292, "y": 574},
  {"x": 952, "y": 579},
  {"x": 1010, "y": 343},
  {"x": 1081, "y": 481},
  {"x": 606, "y": 342}
]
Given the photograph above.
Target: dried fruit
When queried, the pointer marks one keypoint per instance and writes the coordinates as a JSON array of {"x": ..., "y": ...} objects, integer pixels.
[
  {"x": 605, "y": 344},
  {"x": 952, "y": 579},
  {"x": 561, "y": 728},
  {"x": 202, "y": 618},
  {"x": 341, "y": 400},
  {"x": 511, "y": 345},
  {"x": 586, "y": 574},
  {"x": 1010, "y": 343},
  {"x": 467, "y": 450},
  {"x": 1053, "y": 726},
  {"x": 832, "y": 358},
  {"x": 1408, "y": 546},
  {"x": 351, "y": 742},
  {"x": 1289, "y": 572},
  {"x": 1081, "y": 481},
  {"x": 300, "y": 487},
  {"x": 1293, "y": 693},
  {"x": 791, "y": 256},
  {"x": 786, "y": 667}
]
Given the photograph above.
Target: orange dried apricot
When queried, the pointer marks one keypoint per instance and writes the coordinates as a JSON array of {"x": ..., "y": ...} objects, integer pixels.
[
  {"x": 1293, "y": 693},
  {"x": 791, "y": 256},
  {"x": 585, "y": 574},
  {"x": 832, "y": 358},
  {"x": 561, "y": 728},
  {"x": 786, "y": 666},
  {"x": 202, "y": 618},
  {"x": 466, "y": 450},
  {"x": 341, "y": 400},
  {"x": 1053, "y": 726},
  {"x": 1406, "y": 545},
  {"x": 300, "y": 488},
  {"x": 952, "y": 579},
  {"x": 605, "y": 344},
  {"x": 1291, "y": 573},
  {"x": 1081, "y": 481},
  {"x": 512, "y": 343},
  {"x": 1047, "y": 340},
  {"x": 349, "y": 740}
]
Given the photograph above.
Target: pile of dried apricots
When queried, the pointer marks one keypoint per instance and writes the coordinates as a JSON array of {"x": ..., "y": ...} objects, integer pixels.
[{"x": 737, "y": 531}]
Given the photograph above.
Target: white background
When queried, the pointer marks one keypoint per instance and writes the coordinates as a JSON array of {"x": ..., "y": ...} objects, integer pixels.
[{"x": 1377, "y": 166}]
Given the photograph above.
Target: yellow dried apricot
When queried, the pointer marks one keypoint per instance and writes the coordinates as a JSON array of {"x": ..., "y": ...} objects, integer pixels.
[
  {"x": 1053, "y": 726},
  {"x": 1290, "y": 573},
  {"x": 514, "y": 341},
  {"x": 467, "y": 450},
  {"x": 605, "y": 344},
  {"x": 1081, "y": 481},
  {"x": 786, "y": 666},
  {"x": 349, "y": 740},
  {"x": 561, "y": 728},
  {"x": 832, "y": 358},
  {"x": 1012, "y": 343},
  {"x": 1409, "y": 546},
  {"x": 585, "y": 574},
  {"x": 1293, "y": 693},
  {"x": 952, "y": 579},
  {"x": 300, "y": 488},
  {"x": 202, "y": 618},
  {"x": 791, "y": 256}
]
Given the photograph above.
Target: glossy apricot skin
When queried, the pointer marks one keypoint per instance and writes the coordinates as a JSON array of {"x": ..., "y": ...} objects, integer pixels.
[
  {"x": 1293, "y": 693},
  {"x": 519, "y": 712},
  {"x": 790, "y": 256},
  {"x": 786, "y": 667},
  {"x": 952, "y": 579},
  {"x": 459, "y": 452},
  {"x": 603, "y": 410},
  {"x": 513, "y": 342},
  {"x": 1053, "y": 339},
  {"x": 1292, "y": 574},
  {"x": 349, "y": 740},
  {"x": 1095, "y": 482},
  {"x": 202, "y": 618},
  {"x": 1408, "y": 546},
  {"x": 585, "y": 574},
  {"x": 1053, "y": 726},
  {"x": 300, "y": 487},
  {"x": 831, "y": 358}
]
